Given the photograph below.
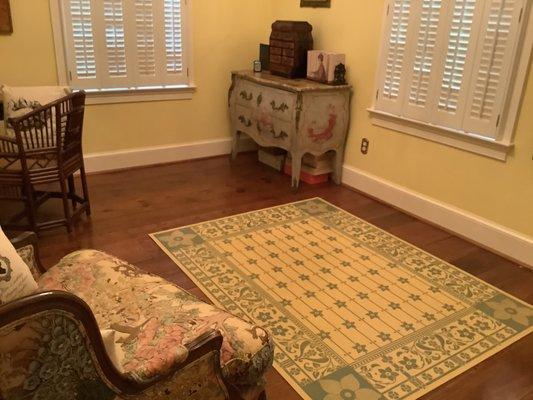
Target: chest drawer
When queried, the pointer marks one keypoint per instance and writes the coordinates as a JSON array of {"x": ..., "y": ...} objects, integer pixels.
[
  {"x": 266, "y": 129},
  {"x": 279, "y": 103}
]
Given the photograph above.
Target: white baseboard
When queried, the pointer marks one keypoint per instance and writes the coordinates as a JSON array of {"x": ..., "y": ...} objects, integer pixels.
[
  {"x": 115, "y": 160},
  {"x": 472, "y": 227},
  {"x": 488, "y": 234}
]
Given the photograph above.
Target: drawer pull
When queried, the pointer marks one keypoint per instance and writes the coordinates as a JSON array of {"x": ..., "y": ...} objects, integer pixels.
[
  {"x": 246, "y": 96},
  {"x": 282, "y": 107},
  {"x": 245, "y": 121},
  {"x": 281, "y": 135}
]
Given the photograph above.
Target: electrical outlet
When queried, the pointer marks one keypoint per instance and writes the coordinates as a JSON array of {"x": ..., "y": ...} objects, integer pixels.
[{"x": 365, "y": 143}]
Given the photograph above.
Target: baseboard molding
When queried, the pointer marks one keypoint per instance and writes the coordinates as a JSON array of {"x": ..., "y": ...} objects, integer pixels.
[
  {"x": 487, "y": 234},
  {"x": 130, "y": 158}
]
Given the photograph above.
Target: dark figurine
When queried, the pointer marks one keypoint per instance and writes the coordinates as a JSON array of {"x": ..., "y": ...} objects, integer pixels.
[{"x": 340, "y": 75}]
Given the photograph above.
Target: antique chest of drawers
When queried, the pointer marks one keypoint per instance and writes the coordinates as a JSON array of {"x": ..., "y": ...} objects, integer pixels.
[
  {"x": 297, "y": 115},
  {"x": 289, "y": 43}
]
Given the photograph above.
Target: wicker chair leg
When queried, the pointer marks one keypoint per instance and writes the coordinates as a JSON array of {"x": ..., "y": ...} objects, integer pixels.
[
  {"x": 66, "y": 206},
  {"x": 72, "y": 191},
  {"x": 85, "y": 190},
  {"x": 31, "y": 208}
]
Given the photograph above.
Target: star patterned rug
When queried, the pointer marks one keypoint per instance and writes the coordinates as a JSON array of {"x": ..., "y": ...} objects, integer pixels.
[{"x": 355, "y": 312}]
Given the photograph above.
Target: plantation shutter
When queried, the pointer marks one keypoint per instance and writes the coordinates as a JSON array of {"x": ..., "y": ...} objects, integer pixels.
[
  {"x": 421, "y": 71},
  {"x": 394, "y": 54},
  {"x": 125, "y": 43},
  {"x": 173, "y": 39},
  {"x": 80, "y": 44},
  {"x": 454, "y": 75},
  {"x": 492, "y": 70}
]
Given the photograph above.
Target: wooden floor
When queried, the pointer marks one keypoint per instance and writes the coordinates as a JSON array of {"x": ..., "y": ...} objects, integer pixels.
[{"x": 129, "y": 205}]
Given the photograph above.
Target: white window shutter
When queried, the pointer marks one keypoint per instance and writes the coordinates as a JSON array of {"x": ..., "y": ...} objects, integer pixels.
[
  {"x": 145, "y": 38},
  {"x": 175, "y": 69},
  {"x": 500, "y": 30},
  {"x": 80, "y": 43},
  {"x": 395, "y": 52},
  {"x": 125, "y": 43},
  {"x": 421, "y": 71},
  {"x": 454, "y": 75}
]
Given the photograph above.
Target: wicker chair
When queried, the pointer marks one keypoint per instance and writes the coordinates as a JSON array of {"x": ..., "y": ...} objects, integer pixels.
[{"x": 45, "y": 149}]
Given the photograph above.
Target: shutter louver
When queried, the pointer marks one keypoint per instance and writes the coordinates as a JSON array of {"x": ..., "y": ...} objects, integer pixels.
[
  {"x": 82, "y": 38},
  {"x": 394, "y": 53},
  {"x": 144, "y": 23},
  {"x": 422, "y": 68},
  {"x": 456, "y": 57},
  {"x": 496, "y": 51},
  {"x": 424, "y": 53},
  {"x": 397, "y": 42},
  {"x": 173, "y": 37},
  {"x": 115, "y": 38}
]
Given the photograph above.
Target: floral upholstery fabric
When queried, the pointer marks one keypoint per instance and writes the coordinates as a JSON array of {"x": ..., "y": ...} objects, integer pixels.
[
  {"x": 153, "y": 319},
  {"x": 47, "y": 356}
]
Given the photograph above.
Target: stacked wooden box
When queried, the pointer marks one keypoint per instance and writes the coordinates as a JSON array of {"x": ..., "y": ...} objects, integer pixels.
[{"x": 289, "y": 43}]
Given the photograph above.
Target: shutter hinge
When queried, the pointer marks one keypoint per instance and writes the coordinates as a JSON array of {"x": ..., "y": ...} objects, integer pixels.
[
  {"x": 521, "y": 14},
  {"x": 498, "y": 120},
  {"x": 187, "y": 72},
  {"x": 70, "y": 75},
  {"x": 388, "y": 8},
  {"x": 377, "y": 94}
]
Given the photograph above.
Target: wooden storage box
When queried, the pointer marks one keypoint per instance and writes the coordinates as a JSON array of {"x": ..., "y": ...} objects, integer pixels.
[{"x": 289, "y": 43}]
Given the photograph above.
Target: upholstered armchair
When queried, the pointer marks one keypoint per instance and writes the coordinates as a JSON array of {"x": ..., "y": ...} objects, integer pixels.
[{"x": 99, "y": 328}]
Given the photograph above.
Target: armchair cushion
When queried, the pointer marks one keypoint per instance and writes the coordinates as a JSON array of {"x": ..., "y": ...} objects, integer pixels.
[
  {"x": 153, "y": 319},
  {"x": 16, "y": 279},
  {"x": 19, "y": 101}
]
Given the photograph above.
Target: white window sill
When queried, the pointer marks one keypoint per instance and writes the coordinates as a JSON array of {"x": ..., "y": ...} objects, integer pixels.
[
  {"x": 139, "y": 95},
  {"x": 474, "y": 144}
]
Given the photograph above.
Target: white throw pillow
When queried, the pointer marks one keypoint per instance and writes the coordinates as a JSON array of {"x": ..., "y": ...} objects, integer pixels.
[
  {"x": 19, "y": 101},
  {"x": 16, "y": 280}
]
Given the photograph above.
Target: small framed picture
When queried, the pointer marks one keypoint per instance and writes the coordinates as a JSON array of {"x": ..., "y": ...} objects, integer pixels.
[
  {"x": 6, "y": 24},
  {"x": 315, "y": 3}
]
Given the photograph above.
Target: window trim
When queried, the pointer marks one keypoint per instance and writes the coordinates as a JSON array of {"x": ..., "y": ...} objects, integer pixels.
[
  {"x": 498, "y": 148},
  {"x": 133, "y": 95}
]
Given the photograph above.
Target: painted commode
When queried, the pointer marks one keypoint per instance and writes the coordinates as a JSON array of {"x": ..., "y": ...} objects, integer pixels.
[{"x": 297, "y": 115}]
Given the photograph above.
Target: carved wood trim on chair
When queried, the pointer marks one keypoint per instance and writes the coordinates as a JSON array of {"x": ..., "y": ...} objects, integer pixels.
[{"x": 63, "y": 301}]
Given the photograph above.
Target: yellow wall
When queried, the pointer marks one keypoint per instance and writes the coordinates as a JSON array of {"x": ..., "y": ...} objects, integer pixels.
[
  {"x": 225, "y": 36},
  {"x": 501, "y": 192}
]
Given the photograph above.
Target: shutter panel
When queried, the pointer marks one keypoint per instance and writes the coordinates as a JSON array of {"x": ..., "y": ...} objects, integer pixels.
[
  {"x": 80, "y": 43},
  {"x": 492, "y": 71},
  {"x": 427, "y": 54},
  {"x": 456, "y": 68},
  {"x": 111, "y": 19},
  {"x": 175, "y": 70},
  {"x": 394, "y": 53},
  {"x": 173, "y": 36},
  {"x": 144, "y": 24}
]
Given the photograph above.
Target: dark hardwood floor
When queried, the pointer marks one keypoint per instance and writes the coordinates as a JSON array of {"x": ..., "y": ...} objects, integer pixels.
[{"x": 129, "y": 205}]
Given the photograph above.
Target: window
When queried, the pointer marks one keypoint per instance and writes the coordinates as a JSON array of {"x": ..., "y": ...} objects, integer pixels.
[
  {"x": 447, "y": 68},
  {"x": 123, "y": 45}
]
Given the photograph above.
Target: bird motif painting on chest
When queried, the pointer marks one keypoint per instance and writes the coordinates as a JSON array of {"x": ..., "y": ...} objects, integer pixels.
[{"x": 324, "y": 119}]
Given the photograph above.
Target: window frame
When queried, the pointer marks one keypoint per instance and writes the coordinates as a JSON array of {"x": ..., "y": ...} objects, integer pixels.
[
  {"x": 132, "y": 95},
  {"x": 498, "y": 148}
]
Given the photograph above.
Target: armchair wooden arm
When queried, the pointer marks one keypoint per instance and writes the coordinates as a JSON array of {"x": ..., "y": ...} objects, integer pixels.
[{"x": 14, "y": 316}]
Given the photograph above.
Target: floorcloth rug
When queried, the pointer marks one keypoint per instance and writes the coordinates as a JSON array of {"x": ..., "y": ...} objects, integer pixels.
[{"x": 355, "y": 312}]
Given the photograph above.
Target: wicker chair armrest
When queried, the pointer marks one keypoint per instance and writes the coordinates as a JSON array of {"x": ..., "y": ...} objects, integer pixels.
[
  {"x": 27, "y": 245},
  {"x": 9, "y": 139},
  {"x": 65, "y": 303}
]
